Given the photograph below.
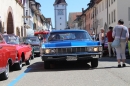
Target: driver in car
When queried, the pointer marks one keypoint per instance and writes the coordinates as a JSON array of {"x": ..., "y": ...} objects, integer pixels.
[{"x": 79, "y": 36}]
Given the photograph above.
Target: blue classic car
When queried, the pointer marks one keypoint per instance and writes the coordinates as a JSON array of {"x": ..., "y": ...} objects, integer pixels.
[{"x": 70, "y": 45}]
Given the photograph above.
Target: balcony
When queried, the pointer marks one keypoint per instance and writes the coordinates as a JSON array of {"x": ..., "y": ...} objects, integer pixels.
[{"x": 97, "y": 1}]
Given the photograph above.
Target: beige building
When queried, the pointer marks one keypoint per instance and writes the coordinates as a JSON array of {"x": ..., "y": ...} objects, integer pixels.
[
  {"x": 117, "y": 9},
  {"x": 11, "y": 12},
  {"x": 72, "y": 17}
]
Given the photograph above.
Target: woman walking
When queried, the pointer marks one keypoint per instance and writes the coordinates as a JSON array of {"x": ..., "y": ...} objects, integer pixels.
[{"x": 121, "y": 32}]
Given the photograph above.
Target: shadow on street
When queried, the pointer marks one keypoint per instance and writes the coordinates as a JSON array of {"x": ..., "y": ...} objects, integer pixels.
[
  {"x": 70, "y": 66},
  {"x": 65, "y": 66}
]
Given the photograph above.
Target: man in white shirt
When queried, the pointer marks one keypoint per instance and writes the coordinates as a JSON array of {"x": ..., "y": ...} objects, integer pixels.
[{"x": 101, "y": 37}]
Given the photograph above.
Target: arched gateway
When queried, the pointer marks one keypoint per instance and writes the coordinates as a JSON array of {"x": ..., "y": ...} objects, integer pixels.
[
  {"x": 10, "y": 22},
  {"x": 10, "y": 25}
]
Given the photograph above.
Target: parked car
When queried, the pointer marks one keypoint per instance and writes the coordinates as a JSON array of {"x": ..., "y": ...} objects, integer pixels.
[
  {"x": 24, "y": 52},
  {"x": 72, "y": 48},
  {"x": 35, "y": 44},
  {"x": 8, "y": 56}
]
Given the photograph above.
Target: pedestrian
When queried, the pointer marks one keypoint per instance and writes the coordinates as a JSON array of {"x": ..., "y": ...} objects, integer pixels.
[
  {"x": 5, "y": 33},
  {"x": 110, "y": 40},
  {"x": 129, "y": 42},
  {"x": 121, "y": 33},
  {"x": 101, "y": 38}
]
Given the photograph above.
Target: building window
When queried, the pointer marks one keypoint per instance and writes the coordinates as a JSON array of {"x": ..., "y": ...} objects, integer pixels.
[
  {"x": 129, "y": 13},
  {"x": 111, "y": 1},
  {"x": 102, "y": 5},
  {"x": 109, "y": 18},
  {"x": 26, "y": 14},
  {"x": 60, "y": 24},
  {"x": 60, "y": 12},
  {"x": 22, "y": 31},
  {"x": 97, "y": 10},
  {"x": 60, "y": 17},
  {"x": 99, "y": 7},
  {"x": 106, "y": 3},
  {"x": 114, "y": 15}
]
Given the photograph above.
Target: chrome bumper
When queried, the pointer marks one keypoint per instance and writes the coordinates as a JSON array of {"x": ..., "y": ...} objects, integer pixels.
[{"x": 63, "y": 57}]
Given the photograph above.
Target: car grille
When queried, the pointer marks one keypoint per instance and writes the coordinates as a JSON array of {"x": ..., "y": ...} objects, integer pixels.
[
  {"x": 71, "y": 50},
  {"x": 36, "y": 48}
]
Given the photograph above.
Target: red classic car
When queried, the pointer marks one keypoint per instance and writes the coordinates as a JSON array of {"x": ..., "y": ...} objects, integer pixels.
[
  {"x": 24, "y": 52},
  {"x": 8, "y": 56}
]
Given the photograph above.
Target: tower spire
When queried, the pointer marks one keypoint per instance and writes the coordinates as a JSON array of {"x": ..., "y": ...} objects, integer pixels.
[{"x": 60, "y": 1}]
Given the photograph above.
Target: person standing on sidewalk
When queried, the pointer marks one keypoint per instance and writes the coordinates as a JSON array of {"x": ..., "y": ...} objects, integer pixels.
[
  {"x": 121, "y": 33},
  {"x": 129, "y": 42},
  {"x": 101, "y": 38},
  {"x": 110, "y": 40}
]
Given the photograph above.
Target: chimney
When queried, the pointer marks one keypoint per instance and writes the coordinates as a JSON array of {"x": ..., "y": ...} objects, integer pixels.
[{"x": 82, "y": 10}]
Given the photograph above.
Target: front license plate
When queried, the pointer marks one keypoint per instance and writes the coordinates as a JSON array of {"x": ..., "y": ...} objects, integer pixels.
[{"x": 71, "y": 58}]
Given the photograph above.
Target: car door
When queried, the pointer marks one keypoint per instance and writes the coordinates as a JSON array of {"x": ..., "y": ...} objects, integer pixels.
[
  {"x": 1, "y": 56},
  {"x": 2, "y": 51}
]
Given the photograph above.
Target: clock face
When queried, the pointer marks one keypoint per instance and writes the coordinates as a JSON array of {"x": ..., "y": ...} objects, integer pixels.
[{"x": 60, "y": 12}]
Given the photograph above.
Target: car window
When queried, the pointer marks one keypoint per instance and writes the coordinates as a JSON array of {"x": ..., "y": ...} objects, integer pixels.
[
  {"x": 31, "y": 39},
  {"x": 11, "y": 39},
  {"x": 74, "y": 35}
]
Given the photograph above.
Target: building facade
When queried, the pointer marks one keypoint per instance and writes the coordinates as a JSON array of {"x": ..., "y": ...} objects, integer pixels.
[
  {"x": 101, "y": 14},
  {"x": 72, "y": 17},
  {"x": 11, "y": 16},
  {"x": 60, "y": 9},
  {"x": 110, "y": 11}
]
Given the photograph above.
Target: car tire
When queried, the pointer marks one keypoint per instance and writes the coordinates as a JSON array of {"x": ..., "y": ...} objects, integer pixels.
[
  {"x": 5, "y": 74},
  {"x": 46, "y": 65},
  {"x": 18, "y": 66},
  {"x": 28, "y": 62},
  {"x": 94, "y": 63}
]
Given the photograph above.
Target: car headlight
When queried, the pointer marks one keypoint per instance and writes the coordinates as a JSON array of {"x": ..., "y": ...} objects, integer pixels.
[
  {"x": 47, "y": 51},
  {"x": 95, "y": 49}
]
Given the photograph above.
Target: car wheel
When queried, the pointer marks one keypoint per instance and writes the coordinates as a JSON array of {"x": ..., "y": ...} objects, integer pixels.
[
  {"x": 18, "y": 66},
  {"x": 94, "y": 62},
  {"x": 28, "y": 62},
  {"x": 5, "y": 74},
  {"x": 46, "y": 65}
]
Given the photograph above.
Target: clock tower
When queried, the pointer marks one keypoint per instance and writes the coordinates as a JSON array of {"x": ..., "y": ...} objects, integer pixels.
[{"x": 60, "y": 10}]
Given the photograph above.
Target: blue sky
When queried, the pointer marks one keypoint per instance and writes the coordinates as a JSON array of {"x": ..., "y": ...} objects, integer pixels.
[{"x": 47, "y": 8}]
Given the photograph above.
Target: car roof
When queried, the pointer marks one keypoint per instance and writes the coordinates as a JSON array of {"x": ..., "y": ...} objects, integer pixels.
[
  {"x": 68, "y": 30},
  {"x": 10, "y": 35}
]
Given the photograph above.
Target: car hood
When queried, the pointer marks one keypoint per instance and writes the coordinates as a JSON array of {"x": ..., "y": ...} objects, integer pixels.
[
  {"x": 35, "y": 43},
  {"x": 72, "y": 43},
  {"x": 19, "y": 46}
]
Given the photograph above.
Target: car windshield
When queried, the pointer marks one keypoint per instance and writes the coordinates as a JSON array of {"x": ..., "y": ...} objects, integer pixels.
[
  {"x": 11, "y": 39},
  {"x": 69, "y": 35},
  {"x": 31, "y": 39}
]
